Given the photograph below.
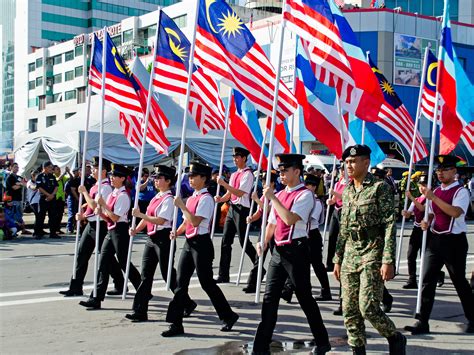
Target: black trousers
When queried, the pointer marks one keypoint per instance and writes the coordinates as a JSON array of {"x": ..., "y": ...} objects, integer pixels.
[
  {"x": 236, "y": 223},
  {"x": 448, "y": 250},
  {"x": 115, "y": 243},
  {"x": 49, "y": 208},
  {"x": 58, "y": 213},
  {"x": 157, "y": 250},
  {"x": 316, "y": 260},
  {"x": 289, "y": 260},
  {"x": 84, "y": 253},
  {"x": 414, "y": 247},
  {"x": 197, "y": 254},
  {"x": 333, "y": 230}
]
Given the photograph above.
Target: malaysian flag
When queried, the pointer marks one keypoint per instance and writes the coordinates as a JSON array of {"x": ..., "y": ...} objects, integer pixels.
[
  {"x": 131, "y": 128},
  {"x": 120, "y": 87},
  {"x": 467, "y": 137},
  {"x": 171, "y": 77},
  {"x": 429, "y": 87},
  {"x": 228, "y": 50},
  {"x": 395, "y": 118}
]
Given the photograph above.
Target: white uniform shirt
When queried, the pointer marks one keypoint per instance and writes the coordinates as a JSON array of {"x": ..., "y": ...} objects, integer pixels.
[
  {"x": 32, "y": 195},
  {"x": 122, "y": 204},
  {"x": 165, "y": 210},
  {"x": 105, "y": 191},
  {"x": 246, "y": 185},
  {"x": 316, "y": 214},
  {"x": 302, "y": 206},
  {"x": 461, "y": 199},
  {"x": 205, "y": 209}
]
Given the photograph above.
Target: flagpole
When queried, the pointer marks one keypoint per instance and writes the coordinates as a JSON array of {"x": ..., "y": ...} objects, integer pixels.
[
  {"x": 362, "y": 140},
  {"x": 221, "y": 164},
  {"x": 341, "y": 131},
  {"x": 293, "y": 91},
  {"x": 247, "y": 230},
  {"x": 83, "y": 167},
  {"x": 270, "y": 154},
  {"x": 326, "y": 218},
  {"x": 412, "y": 154},
  {"x": 101, "y": 152},
  {"x": 430, "y": 179},
  {"x": 182, "y": 147},
  {"x": 142, "y": 156}
]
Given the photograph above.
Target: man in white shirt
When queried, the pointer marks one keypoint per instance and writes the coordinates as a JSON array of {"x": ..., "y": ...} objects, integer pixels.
[
  {"x": 238, "y": 195},
  {"x": 447, "y": 245}
]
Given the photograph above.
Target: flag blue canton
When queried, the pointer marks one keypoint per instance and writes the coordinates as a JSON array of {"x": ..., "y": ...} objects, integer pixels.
[
  {"x": 218, "y": 19},
  {"x": 431, "y": 72},
  {"x": 388, "y": 91},
  {"x": 320, "y": 6}
]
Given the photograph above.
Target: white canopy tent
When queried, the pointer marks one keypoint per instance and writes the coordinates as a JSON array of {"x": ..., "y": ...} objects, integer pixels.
[{"x": 63, "y": 141}]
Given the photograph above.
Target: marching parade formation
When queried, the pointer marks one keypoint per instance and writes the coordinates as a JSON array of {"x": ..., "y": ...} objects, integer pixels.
[{"x": 111, "y": 204}]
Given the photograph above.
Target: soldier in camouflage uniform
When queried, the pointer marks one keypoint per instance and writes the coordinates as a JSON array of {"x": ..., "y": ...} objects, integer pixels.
[{"x": 365, "y": 252}]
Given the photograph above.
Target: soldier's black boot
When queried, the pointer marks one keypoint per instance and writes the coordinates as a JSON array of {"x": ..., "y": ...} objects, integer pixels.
[
  {"x": 358, "y": 350},
  {"x": 397, "y": 344}
]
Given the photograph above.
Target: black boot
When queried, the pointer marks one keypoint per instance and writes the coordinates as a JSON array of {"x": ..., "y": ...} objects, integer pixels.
[
  {"x": 358, "y": 350},
  {"x": 173, "y": 330},
  {"x": 91, "y": 303},
  {"x": 137, "y": 317},
  {"x": 420, "y": 327},
  {"x": 397, "y": 344},
  {"x": 410, "y": 285},
  {"x": 74, "y": 289}
]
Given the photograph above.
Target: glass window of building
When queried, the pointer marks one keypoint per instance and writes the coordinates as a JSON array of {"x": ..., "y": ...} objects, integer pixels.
[
  {"x": 79, "y": 50},
  {"x": 149, "y": 32},
  {"x": 31, "y": 85},
  {"x": 31, "y": 67},
  {"x": 58, "y": 59},
  {"x": 39, "y": 81},
  {"x": 58, "y": 97},
  {"x": 427, "y": 7},
  {"x": 50, "y": 120},
  {"x": 81, "y": 95},
  {"x": 58, "y": 78},
  {"x": 32, "y": 102},
  {"x": 39, "y": 62},
  {"x": 181, "y": 20},
  {"x": 128, "y": 36},
  {"x": 68, "y": 56},
  {"x": 117, "y": 40},
  {"x": 42, "y": 102},
  {"x": 32, "y": 125},
  {"x": 78, "y": 71},
  {"x": 69, "y": 114},
  {"x": 70, "y": 95},
  {"x": 69, "y": 75}
]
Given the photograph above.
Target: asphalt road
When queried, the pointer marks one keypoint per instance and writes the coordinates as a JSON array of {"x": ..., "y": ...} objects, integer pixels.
[{"x": 35, "y": 319}]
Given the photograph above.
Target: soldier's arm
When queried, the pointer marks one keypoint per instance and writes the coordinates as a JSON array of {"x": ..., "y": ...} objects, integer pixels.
[
  {"x": 340, "y": 246},
  {"x": 387, "y": 214}
]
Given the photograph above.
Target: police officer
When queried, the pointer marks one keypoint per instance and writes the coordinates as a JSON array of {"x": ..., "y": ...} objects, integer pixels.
[
  {"x": 87, "y": 242},
  {"x": 115, "y": 212},
  {"x": 365, "y": 252},
  {"x": 238, "y": 193},
  {"x": 447, "y": 245},
  {"x": 47, "y": 186},
  {"x": 157, "y": 221},
  {"x": 197, "y": 253},
  {"x": 287, "y": 224}
]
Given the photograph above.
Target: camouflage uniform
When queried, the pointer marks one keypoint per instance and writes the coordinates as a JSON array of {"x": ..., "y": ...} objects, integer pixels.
[{"x": 366, "y": 240}]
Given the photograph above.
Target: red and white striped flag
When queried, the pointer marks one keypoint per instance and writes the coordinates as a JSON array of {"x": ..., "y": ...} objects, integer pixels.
[
  {"x": 131, "y": 128},
  {"x": 467, "y": 137}
]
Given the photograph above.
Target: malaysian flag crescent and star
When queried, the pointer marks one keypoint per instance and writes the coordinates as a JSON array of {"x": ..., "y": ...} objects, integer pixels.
[{"x": 228, "y": 51}]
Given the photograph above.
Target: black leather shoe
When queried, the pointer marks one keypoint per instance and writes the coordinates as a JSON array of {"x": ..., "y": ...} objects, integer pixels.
[
  {"x": 250, "y": 289},
  {"x": 410, "y": 285},
  {"x": 419, "y": 328},
  {"x": 229, "y": 323},
  {"x": 359, "y": 350},
  {"x": 470, "y": 328},
  {"x": 91, "y": 303},
  {"x": 397, "y": 344},
  {"x": 321, "y": 349},
  {"x": 189, "y": 309},
  {"x": 387, "y": 305},
  {"x": 338, "y": 312},
  {"x": 324, "y": 296},
  {"x": 173, "y": 330},
  {"x": 116, "y": 292},
  {"x": 287, "y": 295},
  {"x": 71, "y": 293},
  {"x": 441, "y": 279},
  {"x": 222, "y": 280},
  {"x": 137, "y": 317}
]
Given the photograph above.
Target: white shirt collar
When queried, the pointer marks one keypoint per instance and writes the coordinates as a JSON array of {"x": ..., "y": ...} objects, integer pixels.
[
  {"x": 455, "y": 183},
  {"x": 119, "y": 190},
  {"x": 195, "y": 193},
  {"x": 290, "y": 189},
  {"x": 160, "y": 194}
]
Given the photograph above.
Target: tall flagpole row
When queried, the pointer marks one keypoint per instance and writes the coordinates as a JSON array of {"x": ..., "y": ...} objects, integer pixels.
[
  {"x": 83, "y": 167},
  {"x": 429, "y": 185},
  {"x": 270, "y": 156},
  {"x": 183, "y": 142},
  {"x": 293, "y": 90},
  {"x": 142, "y": 156},
  {"x": 221, "y": 164},
  {"x": 412, "y": 155},
  {"x": 101, "y": 152},
  {"x": 252, "y": 203}
]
